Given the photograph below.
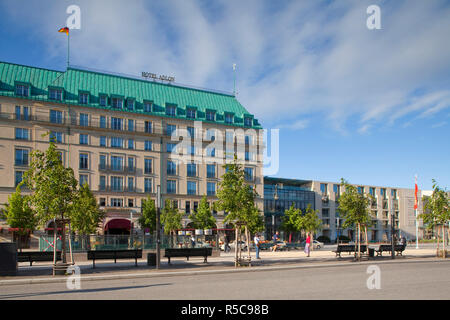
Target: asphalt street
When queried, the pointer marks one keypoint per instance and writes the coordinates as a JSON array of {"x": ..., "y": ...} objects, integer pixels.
[{"x": 398, "y": 280}]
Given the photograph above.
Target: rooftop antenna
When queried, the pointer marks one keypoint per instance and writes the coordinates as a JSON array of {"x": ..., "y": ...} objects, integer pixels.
[{"x": 234, "y": 79}]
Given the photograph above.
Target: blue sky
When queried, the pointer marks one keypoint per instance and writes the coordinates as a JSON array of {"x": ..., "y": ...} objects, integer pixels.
[{"x": 372, "y": 106}]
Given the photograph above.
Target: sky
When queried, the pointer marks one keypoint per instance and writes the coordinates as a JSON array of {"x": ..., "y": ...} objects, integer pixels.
[{"x": 368, "y": 105}]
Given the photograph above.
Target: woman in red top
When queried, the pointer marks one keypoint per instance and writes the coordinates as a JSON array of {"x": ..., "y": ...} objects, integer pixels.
[{"x": 308, "y": 244}]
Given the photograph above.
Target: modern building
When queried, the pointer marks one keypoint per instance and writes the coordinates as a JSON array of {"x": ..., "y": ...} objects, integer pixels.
[{"x": 124, "y": 136}]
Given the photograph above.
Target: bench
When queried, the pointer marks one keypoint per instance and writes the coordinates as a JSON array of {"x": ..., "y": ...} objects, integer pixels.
[
  {"x": 32, "y": 256},
  {"x": 348, "y": 248},
  {"x": 114, "y": 254},
  {"x": 398, "y": 248},
  {"x": 188, "y": 252}
]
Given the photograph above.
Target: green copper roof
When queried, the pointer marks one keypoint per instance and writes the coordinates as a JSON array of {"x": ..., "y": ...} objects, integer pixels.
[{"x": 75, "y": 80}]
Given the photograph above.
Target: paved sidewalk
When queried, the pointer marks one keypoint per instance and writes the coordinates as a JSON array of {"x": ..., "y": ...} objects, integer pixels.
[{"x": 42, "y": 272}]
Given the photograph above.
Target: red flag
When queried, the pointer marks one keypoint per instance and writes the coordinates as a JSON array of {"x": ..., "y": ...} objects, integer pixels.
[
  {"x": 415, "y": 196},
  {"x": 65, "y": 30}
]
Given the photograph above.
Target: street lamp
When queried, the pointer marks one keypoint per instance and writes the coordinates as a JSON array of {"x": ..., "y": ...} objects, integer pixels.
[{"x": 275, "y": 197}]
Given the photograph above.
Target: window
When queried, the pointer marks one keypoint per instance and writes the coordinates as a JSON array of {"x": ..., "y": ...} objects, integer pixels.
[
  {"x": 22, "y": 134},
  {"x": 116, "y": 202},
  {"x": 188, "y": 207},
  {"x": 210, "y": 115},
  {"x": 192, "y": 150},
  {"x": 191, "y": 170},
  {"x": 116, "y": 163},
  {"x": 336, "y": 189},
  {"x": 56, "y": 137},
  {"x": 130, "y": 104},
  {"x": 21, "y": 157},
  {"x": 248, "y": 140},
  {"x": 147, "y": 185},
  {"x": 83, "y": 179},
  {"x": 131, "y": 165},
  {"x": 190, "y": 113},
  {"x": 147, "y": 166},
  {"x": 130, "y": 143},
  {"x": 191, "y": 187},
  {"x": 102, "y": 141},
  {"x": 323, "y": 188},
  {"x": 24, "y": 115},
  {"x": 55, "y": 94},
  {"x": 116, "y": 142},
  {"x": 211, "y": 188},
  {"x": 249, "y": 156},
  {"x": 228, "y": 118},
  {"x": 130, "y": 184},
  {"x": 171, "y": 147},
  {"x": 195, "y": 206},
  {"x": 56, "y": 116},
  {"x": 116, "y": 123},
  {"x": 247, "y": 121},
  {"x": 148, "y": 127},
  {"x": 170, "y": 110},
  {"x": 147, "y": 106},
  {"x": 148, "y": 145},
  {"x": 102, "y": 162},
  {"x": 210, "y": 170},
  {"x": 361, "y": 190},
  {"x": 84, "y": 139},
  {"x": 171, "y": 167},
  {"x": 372, "y": 191},
  {"x": 130, "y": 125},
  {"x": 191, "y": 131},
  {"x": 84, "y": 161},
  {"x": 170, "y": 129},
  {"x": 22, "y": 90},
  {"x": 18, "y": 176},
  {"x": 229, "y": 136},
  {"x": 130, "y": 203},
  {"x": 248, "y": 172},
  {"x": 103, "y": 122},
  {"x": 116, "y": 103},
  {"x": 394, "y": 193},
  {"x": 210, "y": 152},
  {"x": 383, "y": 193},
  {"x": 102, "y": 185},
  {"x": 116, "y": 183},
  {"x": 171, "y": 186},
  {"x": 102, "y": 202},
  {"x": 103, "y": 101},
  {"x": 84, "y": 119},
  {"x": 84, "y": 98}
]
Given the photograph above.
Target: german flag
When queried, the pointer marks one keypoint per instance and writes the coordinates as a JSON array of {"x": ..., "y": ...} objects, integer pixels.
[{"x": 65, "y": 29}]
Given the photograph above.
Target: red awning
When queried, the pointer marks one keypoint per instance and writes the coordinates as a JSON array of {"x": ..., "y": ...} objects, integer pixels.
[{"x": 118, "y": 224}]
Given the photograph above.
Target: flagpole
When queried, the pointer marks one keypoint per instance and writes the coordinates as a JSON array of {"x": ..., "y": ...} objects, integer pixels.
[
  {"x": 68, "y": 48},
  {"x": 417, "y": 221}
]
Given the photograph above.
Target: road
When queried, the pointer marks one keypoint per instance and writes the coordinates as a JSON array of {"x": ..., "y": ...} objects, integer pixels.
[{"x": 398, "y": 280}]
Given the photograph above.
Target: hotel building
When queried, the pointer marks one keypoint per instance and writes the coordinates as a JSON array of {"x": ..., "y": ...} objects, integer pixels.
[{"x": 124, "y": 136}]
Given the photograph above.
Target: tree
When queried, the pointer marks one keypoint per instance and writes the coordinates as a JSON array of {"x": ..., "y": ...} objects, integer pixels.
[
  {"x": 437, "y": 212},
  {"x": 147, "y": 220},
  {"x": 20, "y": 216},
  {"x": 203, "y": 218},
  {"x": 238, "y": 199},
  {"x": 310, "y": 222},
  {"x": 291, "y": 221},
  {"x": 354, "y": 207},
  {"x": 171, "y": 218},
  {"x": 85, "y": 213},
  {"x": 54, "y": 188}
]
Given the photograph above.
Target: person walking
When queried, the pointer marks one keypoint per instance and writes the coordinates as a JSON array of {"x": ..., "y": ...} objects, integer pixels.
[
  {"x": 226, "y": 246},
  {"x": 257, "y": 244},
  {"x": 308, "y": 244},
  {"x": 192, "y": 241},
  {"x": 275, "y": 239}
]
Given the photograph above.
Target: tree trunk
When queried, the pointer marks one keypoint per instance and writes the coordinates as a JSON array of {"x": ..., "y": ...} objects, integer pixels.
[
  {"x": 367, "y": 240},
  {"x": 63, "y": 241},
  {"x": 247, "y": 232},
  {"x": 311, "y": 245},
  {"x": 443, "y": 241},
  {"x": 236, "y": 247},
  {"x": 359, "y": 242}
]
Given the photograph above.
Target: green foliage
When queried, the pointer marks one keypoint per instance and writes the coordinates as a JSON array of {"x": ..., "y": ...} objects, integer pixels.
[
  {"x": 354, "y": 206},
  {"x": 203, "y": 218},
  {"x": 292, "y": 220},
  {"x": 85, "y": 213},
  {"x": 54, "y": 186},
  {"x": 171, "y": 217},
  {"x": 255, "y": 221},
  {"x": 19, "y": 214},
  {"x": 147, "y": 220},
  {"x": 436, "y": 207},
  {"x": 310, "y": 221}
]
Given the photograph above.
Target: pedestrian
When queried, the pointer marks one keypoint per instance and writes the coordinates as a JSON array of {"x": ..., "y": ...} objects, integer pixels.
[
  {"x": 257, "y": 244},
  {"x": 226, "y": 246},
  {"x": 192, "y": 241},
  {"x": 308, "y": 244},
  {"x": 403, "y": 242},
  {"x": 275, "y": 239}
]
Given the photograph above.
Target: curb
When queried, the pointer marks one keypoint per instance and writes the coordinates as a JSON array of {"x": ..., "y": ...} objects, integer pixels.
[{"x": 62, "y": 279}]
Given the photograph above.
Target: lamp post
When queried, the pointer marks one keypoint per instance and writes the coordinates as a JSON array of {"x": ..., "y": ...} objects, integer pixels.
[
  {"x": 158, "y": 235},
  {"x": 392, "y": 228},
  {"x": 275, "y": 197}
]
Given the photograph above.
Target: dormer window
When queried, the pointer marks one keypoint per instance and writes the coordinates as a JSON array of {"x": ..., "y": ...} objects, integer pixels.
[
  {"x": 190, "y": 113},
  {"x": 229, "y": 118},
  {"x": 130, "y": 104},
  {"x": 116, "y": 103},
  {"x": 247, "y": 121},
  {"x": 84, "y": 98},
  {"x": 147, "y": 106},
  {"x": 210, "y": 115},
  {"x": 170, "y": 110},
  {"x": 103, "y": 100},
  {"x": 22, "y": 90},
  {"x": 55, "y": 94}
]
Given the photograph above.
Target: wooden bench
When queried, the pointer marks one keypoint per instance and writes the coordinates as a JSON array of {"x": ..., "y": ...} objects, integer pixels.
[
  {"x": 32, "y": 256},
  {"x": 188, "y": 252},
  {"x": 114, "y": 254},
  {"x": 348, "y": 248},
  {"x": 398, "y": 248}
]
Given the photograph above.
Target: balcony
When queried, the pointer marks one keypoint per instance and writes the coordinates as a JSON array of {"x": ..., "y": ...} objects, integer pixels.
[{"x": 118, "y": 169}]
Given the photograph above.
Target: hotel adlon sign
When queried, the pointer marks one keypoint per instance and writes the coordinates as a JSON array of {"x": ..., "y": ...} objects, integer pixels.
[{"x": 149, "y": 75}]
